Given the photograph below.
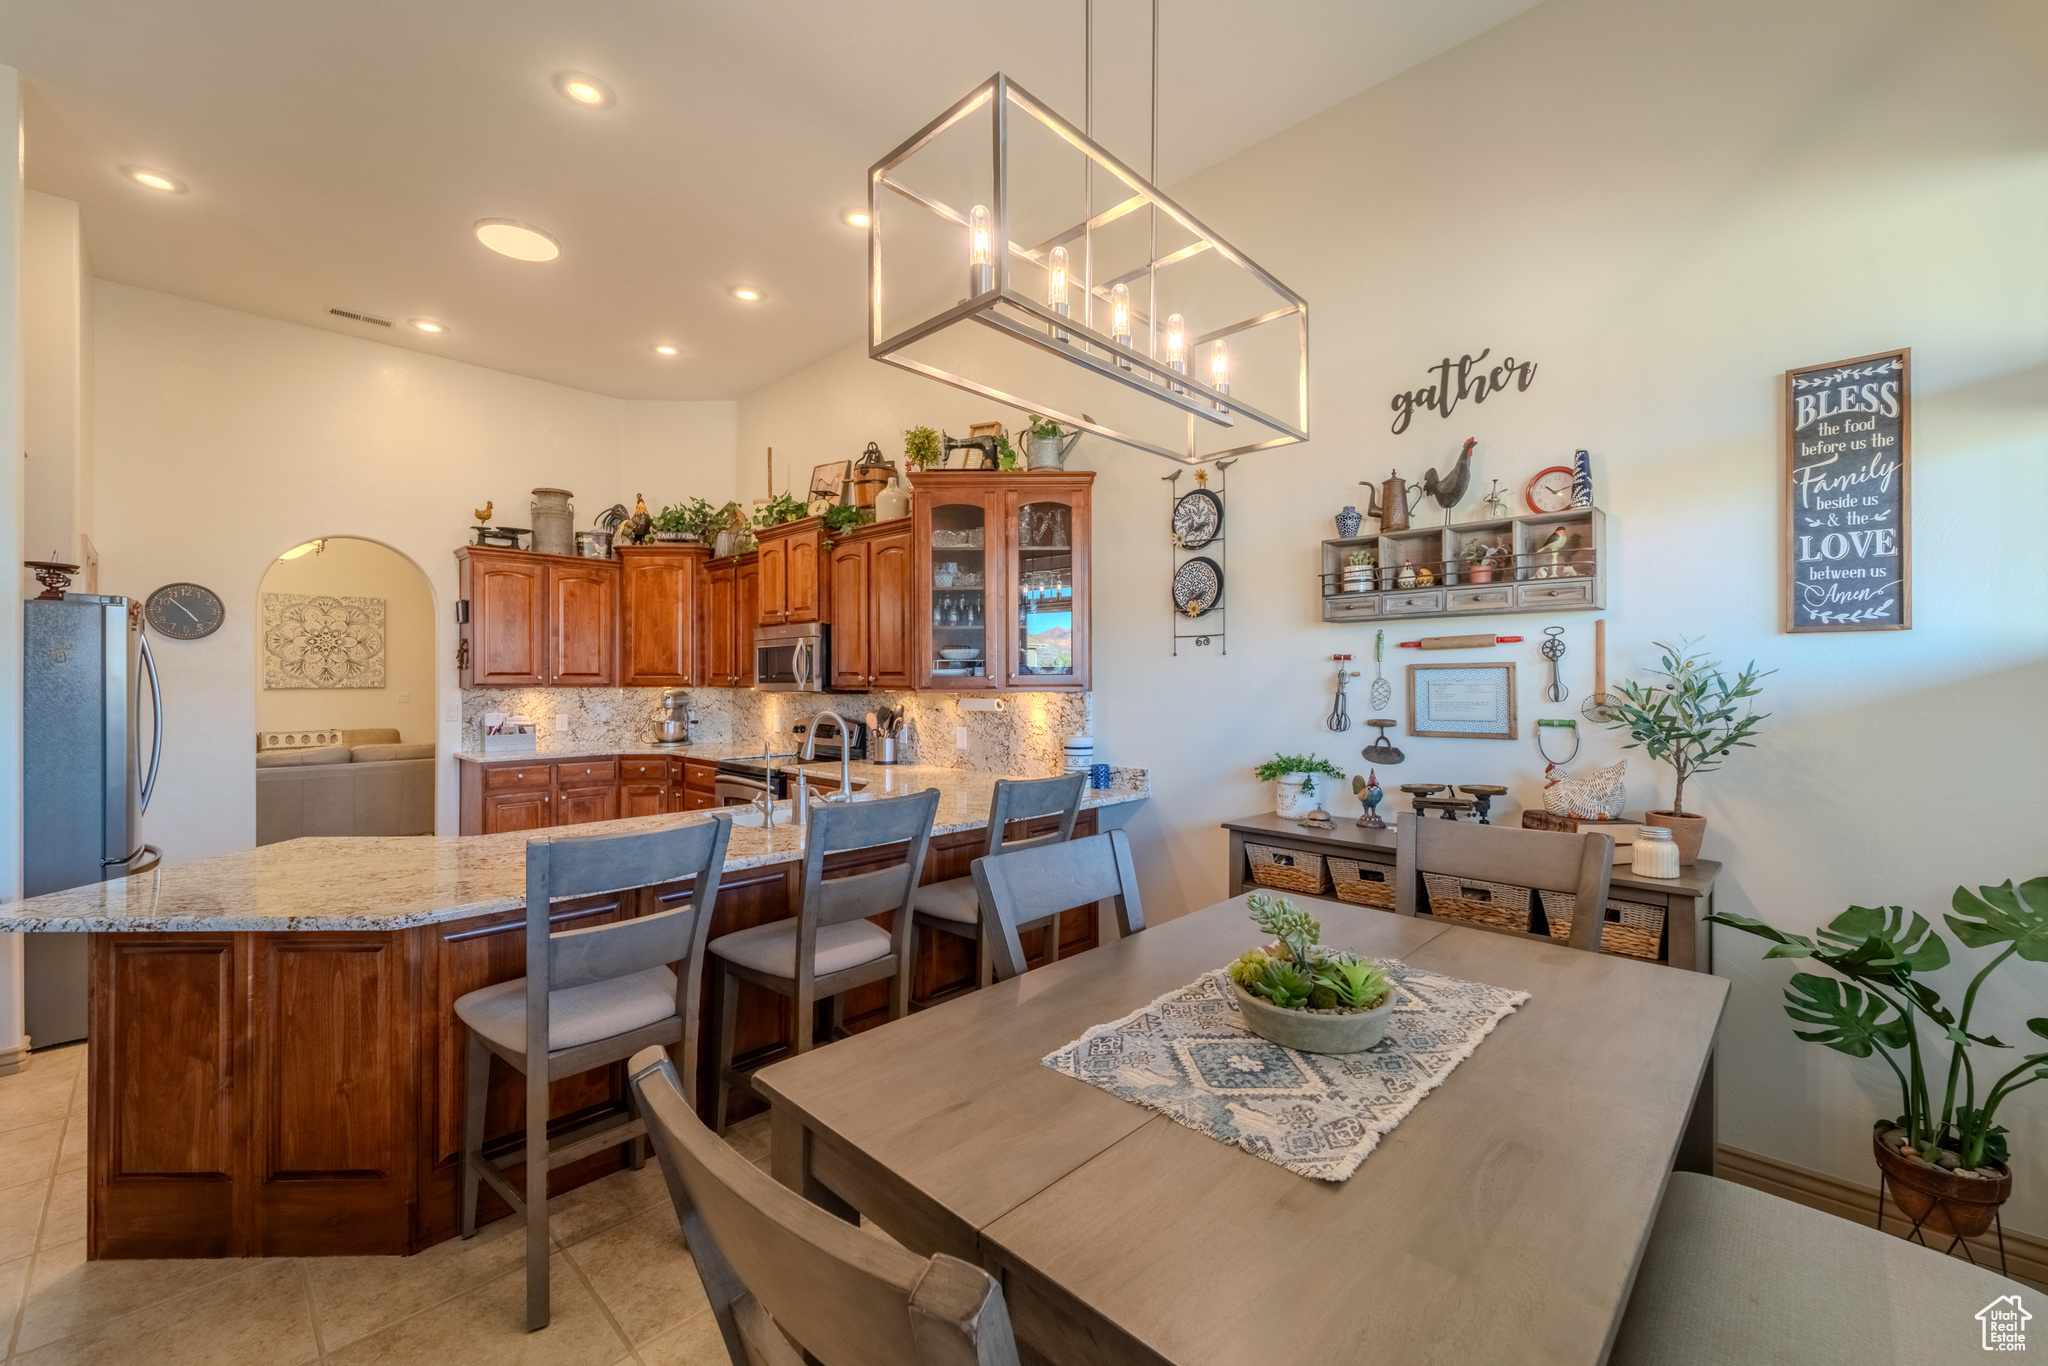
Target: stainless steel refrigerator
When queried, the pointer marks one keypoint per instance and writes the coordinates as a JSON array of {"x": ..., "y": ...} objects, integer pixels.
[{"x": 85, "y": 779}]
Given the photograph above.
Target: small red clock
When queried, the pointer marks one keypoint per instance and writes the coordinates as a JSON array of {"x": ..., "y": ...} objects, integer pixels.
[{"x": 1550, "y": 490}]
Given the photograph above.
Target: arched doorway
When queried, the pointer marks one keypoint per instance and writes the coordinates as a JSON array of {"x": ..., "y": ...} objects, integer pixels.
[{"x": 344, "y": 693}]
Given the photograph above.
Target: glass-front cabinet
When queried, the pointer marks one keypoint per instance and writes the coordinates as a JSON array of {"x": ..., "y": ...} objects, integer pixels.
[{"x": 1002, "y": 580}]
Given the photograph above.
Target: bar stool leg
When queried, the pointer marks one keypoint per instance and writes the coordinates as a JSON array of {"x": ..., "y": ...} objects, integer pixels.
[
  {"x": 537, "y": 1314},
  {"x": 728, "y": 1026},
  {"x": 476, "y": 1084}
]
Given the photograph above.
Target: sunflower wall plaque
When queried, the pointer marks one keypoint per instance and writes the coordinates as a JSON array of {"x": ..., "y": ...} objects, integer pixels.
[{"x": 322, "y": 642}]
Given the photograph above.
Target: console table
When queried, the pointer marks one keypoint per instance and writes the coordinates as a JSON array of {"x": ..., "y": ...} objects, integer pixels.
[{"x": 1687, "y": 899}]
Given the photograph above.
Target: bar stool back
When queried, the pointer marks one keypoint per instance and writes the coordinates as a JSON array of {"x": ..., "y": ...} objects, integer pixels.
[
  {"x": 953, "y": 906},
  {"x": 590, "y": 997},
  {"x": 1021, "y": 888}
]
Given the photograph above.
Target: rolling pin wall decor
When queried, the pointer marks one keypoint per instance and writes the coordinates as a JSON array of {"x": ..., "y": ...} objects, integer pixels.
[{"x": 1847, "y": 530}]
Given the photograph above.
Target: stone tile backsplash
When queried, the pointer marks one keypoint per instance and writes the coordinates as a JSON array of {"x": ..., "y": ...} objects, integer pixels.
[{"x": 1024, "y": 739}]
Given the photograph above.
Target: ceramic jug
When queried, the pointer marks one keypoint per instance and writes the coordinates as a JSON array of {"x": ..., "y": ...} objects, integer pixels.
[{"x": 893, "y": 502}]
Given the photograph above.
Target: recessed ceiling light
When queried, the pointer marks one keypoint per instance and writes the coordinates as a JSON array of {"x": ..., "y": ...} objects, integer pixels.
[
  {"x": 855, "y": 218},
  {"x": 746, "y": 294},
  {"x": 155, "y": 180},
  {"x": 427, "y": 325},
  {"x": 664, "y": 349},
  {"x": 584, "y": 90},
  {"x": 520, "y": 241}
]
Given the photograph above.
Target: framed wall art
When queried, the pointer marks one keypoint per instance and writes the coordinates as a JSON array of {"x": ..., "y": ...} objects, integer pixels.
[
  {"x": 827, "y": 478},
  {"x": 1847, "y": 550},
  {"x": 1462, "y": 701},
  {"x": 322, "y": 642}
]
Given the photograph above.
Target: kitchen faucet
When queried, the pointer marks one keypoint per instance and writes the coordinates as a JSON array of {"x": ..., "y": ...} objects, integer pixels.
[{"x": 803, "y": 788}]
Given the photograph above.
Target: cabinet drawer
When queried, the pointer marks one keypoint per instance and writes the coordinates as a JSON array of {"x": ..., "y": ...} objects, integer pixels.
[
  {"x": 586, "y": 772},
  {"x": 1351, "y": 606},
  {"x": 1425, "y": 600},
  {"x": 1554, "y": 592},
  {"x": 642, "y": 770},
  {"x": 698, "y": 801},
  {"x": 1480, "y": 599},
  {"x": 525, "y": 775},
  {"x": 700, "y": 777}
]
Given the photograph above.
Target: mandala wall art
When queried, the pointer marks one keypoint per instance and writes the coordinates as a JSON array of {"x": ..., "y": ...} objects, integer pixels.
[{"x": 322, "y": 642}]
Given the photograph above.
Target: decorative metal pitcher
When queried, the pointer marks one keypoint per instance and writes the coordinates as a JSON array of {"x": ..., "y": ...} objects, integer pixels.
[{"x": 1390, "y": 502}]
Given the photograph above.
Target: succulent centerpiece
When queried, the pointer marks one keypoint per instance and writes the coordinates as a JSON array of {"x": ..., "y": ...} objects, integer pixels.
[{"x": 1301, "y": 994}]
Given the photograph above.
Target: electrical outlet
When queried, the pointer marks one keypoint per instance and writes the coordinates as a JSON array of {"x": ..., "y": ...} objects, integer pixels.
[{"x": 960, "y": 738}]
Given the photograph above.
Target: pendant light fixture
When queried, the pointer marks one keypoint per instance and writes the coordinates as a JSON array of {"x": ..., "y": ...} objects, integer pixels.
[{"x": 1064, "y": 295}]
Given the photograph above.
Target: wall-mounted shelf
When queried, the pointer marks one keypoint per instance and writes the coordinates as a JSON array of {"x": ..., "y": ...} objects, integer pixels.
[{"x": 1423, "y": 572}]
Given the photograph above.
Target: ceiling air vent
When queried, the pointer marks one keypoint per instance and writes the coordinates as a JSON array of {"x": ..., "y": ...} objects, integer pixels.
[{"x": 360, "y": 317}]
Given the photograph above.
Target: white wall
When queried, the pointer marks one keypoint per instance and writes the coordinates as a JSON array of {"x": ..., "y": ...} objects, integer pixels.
[
  {"x": 223, "y": 439},
  {"x": 1665, "y": 207},
  {"x": 348, "y": 567},
  {"x": 56, "y": 310},
  {"x": 12, "y": 1042}
]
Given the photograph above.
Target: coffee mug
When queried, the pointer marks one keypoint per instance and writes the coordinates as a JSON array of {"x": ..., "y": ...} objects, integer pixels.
[{"x": 1098, "y": 777}]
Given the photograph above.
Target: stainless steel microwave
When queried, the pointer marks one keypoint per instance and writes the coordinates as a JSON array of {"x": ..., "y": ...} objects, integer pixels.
[{"x": 792, "y": 658}]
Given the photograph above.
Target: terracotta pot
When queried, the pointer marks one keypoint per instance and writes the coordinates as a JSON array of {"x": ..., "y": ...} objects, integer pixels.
[
  {"x": 1939, "y": 1200},
  {"x": 1686, "y": 833},
  {"x": 1479, "y": 574}
]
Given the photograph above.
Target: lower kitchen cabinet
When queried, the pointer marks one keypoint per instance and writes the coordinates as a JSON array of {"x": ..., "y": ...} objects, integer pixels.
[{"x": 510, "y": 795}]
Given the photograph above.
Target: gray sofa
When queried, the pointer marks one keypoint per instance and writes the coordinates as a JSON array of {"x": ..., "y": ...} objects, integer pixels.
[{"x": 348, "y": 782}]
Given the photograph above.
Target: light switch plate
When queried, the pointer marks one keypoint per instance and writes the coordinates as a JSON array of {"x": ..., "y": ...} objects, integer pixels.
[{"x": 451, "y": 712}]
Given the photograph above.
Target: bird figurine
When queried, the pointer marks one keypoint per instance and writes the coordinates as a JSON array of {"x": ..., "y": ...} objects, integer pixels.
[
  {"x": 1556, "y": 542},
  {"x": 1450, "y": 489},
  {"x": 1368, "y": 790},
  {"x": 483, "y": 514},
  {"x": 1555, "y": 545},
  {"x": 642, "y": 522}
]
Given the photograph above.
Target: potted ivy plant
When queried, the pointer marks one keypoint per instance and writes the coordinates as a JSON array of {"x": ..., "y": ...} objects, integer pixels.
[
  {"x": 1690, "y": 721},
  {"x": 1294, "y": 778},
  {"x": 1944, "y": 1158},
  {"x": 1300, "y": 994}
]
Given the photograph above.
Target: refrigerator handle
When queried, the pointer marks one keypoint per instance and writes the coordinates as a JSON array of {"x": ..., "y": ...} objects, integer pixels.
[{"x": 156, "y": 734}]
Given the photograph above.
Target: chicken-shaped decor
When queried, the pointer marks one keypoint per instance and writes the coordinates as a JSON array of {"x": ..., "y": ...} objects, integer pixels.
[
  {"x": 483, "y": 514},
  {"x": 1450, "y": 490}
]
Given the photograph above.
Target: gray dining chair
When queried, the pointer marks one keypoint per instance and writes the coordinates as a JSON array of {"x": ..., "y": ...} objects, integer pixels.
[
  {"x": 590, "y": 997},
  {"x": 829, "y": 946},
  {"x": 1734, "y": 1275},
  {"x": 1543, "y": 859},
  {"x": 777, "y": 1267},
  {"x": 952, "y": 905},
  {"x": 1022, "y": 888}
]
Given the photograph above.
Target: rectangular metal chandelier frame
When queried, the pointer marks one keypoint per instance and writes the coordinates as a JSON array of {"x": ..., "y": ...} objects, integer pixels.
[{"x": 1087, "y": 347}]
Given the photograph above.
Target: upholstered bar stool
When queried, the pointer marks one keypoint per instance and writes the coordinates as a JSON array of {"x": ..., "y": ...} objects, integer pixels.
[
  {"x": 829, "y": 946},
  {"x": 590, "y": 997},
  {"x": 1020, "y": 888},
  {"x": 952, "y": 905}
]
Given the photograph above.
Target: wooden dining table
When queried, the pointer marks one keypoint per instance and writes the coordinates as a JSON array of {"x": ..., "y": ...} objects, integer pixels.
[{"x": 1501, "y": 1220}]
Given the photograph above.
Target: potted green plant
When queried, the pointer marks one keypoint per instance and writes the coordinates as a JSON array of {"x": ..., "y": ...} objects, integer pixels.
[
  {"x": 845, "y": 518},
  {"x": 921, "y": 448},
  {"x": 1046, "y": 443},
  {"x": 783, "y": 507},
  {"x": 1479, "y": 558},
  {"x": 1690, "y": 722},
  {"x": 1294, "y": 778},
  {"x": 1357, "y": 573},
  {"x": 684, "y": 521},
  {"x": 1302, "y": 995},
  {"x": 1944, "y": 1157}
]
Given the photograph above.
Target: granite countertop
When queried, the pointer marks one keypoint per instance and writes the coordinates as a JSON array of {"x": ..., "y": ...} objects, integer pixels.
[
  {"x": 379, "y": 883},
  {"x": 647, "y": 749}
]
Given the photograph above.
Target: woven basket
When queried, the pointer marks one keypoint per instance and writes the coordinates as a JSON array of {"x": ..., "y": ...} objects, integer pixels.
[
  {"x": 1484, "y": 903},
  {"x": 1638, "y": 934},
  {"x": 1363, "y": 884},
  {"x": 1291, "y": 870}
]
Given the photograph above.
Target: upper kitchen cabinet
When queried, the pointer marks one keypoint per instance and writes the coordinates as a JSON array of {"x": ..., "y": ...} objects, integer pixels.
[
  {"x": 532, "y": 620},
  {"x": 869, "y": 576},
  {"x": 791, "y": 557},
  {"x": 1000, "y": 581},
  {"x": 658, "y": 586},
  {"x": 728, "y": 595}
]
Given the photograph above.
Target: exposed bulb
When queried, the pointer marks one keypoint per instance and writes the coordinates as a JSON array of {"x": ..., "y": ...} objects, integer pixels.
[
  {"x": 1056, "y": 278},
  {"x": 978, "y": 236},
  {"x": 1120, "y": 313},
  {"x": 1219, "y": 366},
  {"x": 1177, "y": 342}
]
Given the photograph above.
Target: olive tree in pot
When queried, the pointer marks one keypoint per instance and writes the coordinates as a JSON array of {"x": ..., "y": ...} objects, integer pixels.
[
  {"x": 1688, "y": 721},
  {"x": 1944, "y": 1163}
]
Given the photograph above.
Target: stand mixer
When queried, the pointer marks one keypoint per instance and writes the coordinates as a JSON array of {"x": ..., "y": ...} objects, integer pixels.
[{"x": 672, "y": 726}]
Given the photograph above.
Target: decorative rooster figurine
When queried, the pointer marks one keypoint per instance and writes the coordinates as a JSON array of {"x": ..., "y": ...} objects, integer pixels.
[
  {"x": 483, "y": 514},
  {"x": 1450, "y": 491}
]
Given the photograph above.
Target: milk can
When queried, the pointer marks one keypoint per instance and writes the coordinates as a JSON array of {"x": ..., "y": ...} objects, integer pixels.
[{"x": 554, "y": 521}]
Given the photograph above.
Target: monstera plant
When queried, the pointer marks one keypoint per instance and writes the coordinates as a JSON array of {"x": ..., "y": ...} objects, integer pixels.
[{"x": 1944, "y": 1157}]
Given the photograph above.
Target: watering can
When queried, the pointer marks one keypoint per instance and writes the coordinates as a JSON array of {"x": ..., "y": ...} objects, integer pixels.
[
  {"x": 1050, "y": 452},
  {"x": 1390, "y": 502}
]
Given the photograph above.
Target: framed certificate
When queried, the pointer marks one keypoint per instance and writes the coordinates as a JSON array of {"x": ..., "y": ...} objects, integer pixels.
[{"x": 1462, "y": 701}]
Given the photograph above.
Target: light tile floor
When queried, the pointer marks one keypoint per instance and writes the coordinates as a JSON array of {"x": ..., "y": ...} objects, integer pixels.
[{"x": 624, "y": 1287}]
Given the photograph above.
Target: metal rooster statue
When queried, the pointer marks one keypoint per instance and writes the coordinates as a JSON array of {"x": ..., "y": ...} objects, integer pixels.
[{"x": 1450, "y": 490}]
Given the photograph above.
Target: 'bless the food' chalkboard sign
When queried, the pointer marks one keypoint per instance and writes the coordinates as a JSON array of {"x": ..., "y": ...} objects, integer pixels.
[{"x": 1848, "y": 539}]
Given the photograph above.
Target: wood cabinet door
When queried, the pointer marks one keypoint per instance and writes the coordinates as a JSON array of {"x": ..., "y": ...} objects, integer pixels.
[
  {"x": 720, "y": 623},
  {"x": 507, "y": 622},
  {"x": 583, "y": 624},
  {"x": 802, "y": 551},
  {"x": 657, "y": 592},
  {"x": 746, "y": 616},
  {"x": 517, "y": 809},
  {"x": 582, "y": 805},
  {"x": 849, "y": 598},
  {"x": 772, "y": 603},
  {"x": 643, "y": 799},
  {"x": 891, "y": 639},
  {"x": 967, "y": 512}
]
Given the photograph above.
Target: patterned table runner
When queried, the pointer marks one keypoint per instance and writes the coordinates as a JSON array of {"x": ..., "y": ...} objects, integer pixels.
[{"x": 1189, "y": 1056}]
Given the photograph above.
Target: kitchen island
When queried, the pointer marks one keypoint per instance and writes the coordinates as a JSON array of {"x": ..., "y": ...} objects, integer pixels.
[{"x": 275, "y": 1063}]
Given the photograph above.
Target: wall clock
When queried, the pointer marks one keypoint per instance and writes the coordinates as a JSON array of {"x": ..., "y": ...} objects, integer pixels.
[
  {"x": 184, "y": 611},
  {"x": 1550, "y": 490}
]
